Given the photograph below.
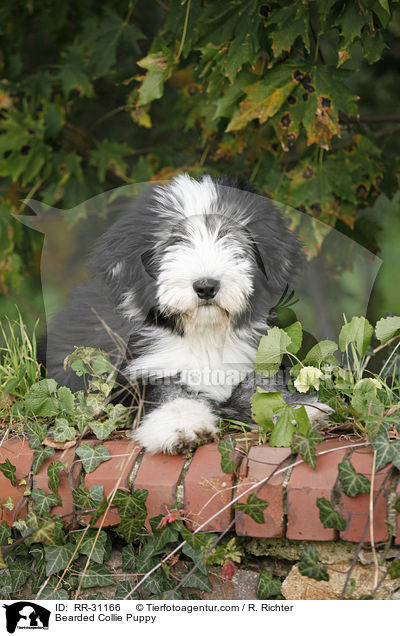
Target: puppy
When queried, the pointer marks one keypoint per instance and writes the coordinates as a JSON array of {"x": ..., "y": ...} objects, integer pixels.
[{"x": 186, "y": 279}]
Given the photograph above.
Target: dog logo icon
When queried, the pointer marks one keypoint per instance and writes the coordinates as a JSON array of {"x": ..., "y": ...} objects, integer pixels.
[{"x": 26, "y": 615}]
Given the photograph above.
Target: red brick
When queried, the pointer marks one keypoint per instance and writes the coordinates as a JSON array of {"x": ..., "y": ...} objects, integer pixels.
[
  {"x": 41, "y": 481},
  {"x": 115, "y": 470},
  {"x": 207, "y": 490},
  {"x": 305, "y": 486},
  {"x": 397, "y": 538},
  {"x": 159, "y": 474},
  {"x": 261, "y": 463},
  {"x": 355, "y": 509}
]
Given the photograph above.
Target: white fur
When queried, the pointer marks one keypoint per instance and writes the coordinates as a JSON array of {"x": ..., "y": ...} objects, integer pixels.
[
  {"x": 210, "y": 360},
  {"x": 187, "y": 196},
  {"x": 177, "y": 425}
]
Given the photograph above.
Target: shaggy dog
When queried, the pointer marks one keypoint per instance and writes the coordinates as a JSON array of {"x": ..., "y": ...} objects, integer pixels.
[{"x": 187, "y": 278}]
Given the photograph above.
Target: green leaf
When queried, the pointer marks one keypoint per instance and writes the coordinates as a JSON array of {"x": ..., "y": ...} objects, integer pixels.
[
  {"x": 226, "y": 447},
  {"x": 387, "y": 328},
  {"x": 395, "y": 453},
  {"x": 5, "y": 533},
  {"x": 94, "y": 544},
  {"x": 103, "y": 429},
  {"x": 123, "y": 589},
  {"x": 129, "y": 527},
  {"x": 254, "y": 507},
  {"x": 96, "y": 575},
  {"x": 320, "y": 352},
  {"x": 365, "y": 400},
  {"x": 353, "y": 483},
  {"x": 63, "y": 430},
  {"x": 44, "y": 503},
  {"x": 305, "y": 443},
  {"x": 92, "y": 456},
  {"x": 36, "y": 433},
  {"x": 295, "y": 333},
  {"x": 53, "y": 471},
  {"x": 267, "y": 587},
  {"x": 381, "y": 444},
  {"x": 67, "y": 401},
  {"x": 51, "y": 593},
  {"x": 39, "y": 455},
  {"x": 46, "y": 532},
  {"x": 20, "y": 571},
  {"x": 131, "y": 505},
  {"x": 358, "y": 332},
  {"x": 129, "y": 557},
  {"x": 283, "y": 431},
  {"x": 88, "y": 499},
  {"x": 265, "y": 405},
  {"x": 199, "y": 581},
  {"x": 40, "y": 399},
  {"x": 328, "y": 516},
  {"x": 9, "y": 471},
  {"x": 271, "y": 349},
  {"x": 57, "y": 557},
  {"x": 394, "y": 570},
  {"x": 308, "y": 378},
  {"x": 159, "y": 67},
  {"x": 309, "y": 566}
]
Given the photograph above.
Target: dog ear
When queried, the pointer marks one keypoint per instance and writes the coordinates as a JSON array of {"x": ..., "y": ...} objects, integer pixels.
[{"x": 277, "y": 249}]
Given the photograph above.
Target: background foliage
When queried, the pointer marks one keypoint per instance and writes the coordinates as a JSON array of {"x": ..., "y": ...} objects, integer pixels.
[{"x": 298, "y": 98}]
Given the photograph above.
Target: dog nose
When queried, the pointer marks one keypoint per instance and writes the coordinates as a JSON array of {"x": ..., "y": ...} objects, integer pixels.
[{"x": 206, "y": 288}]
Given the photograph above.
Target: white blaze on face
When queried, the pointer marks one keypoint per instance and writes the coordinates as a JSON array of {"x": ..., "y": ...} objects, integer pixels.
[{"x": 203, "y": 254}]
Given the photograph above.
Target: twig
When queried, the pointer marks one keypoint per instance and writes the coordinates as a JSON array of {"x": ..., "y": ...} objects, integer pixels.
[{"x": 184, "y": 31}]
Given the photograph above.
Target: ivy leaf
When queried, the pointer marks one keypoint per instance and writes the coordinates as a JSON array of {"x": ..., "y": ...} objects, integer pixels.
[
  {"x": 395, "y": 453},
  {"x": 20, "y": 571},
  {"x": 63, "y": 430},
  {"x": 53, "y": 471},
  {"x": 128, "y": 558},
  {"x": 57, "y": 557},
  {"x": 36, "y": 433},
  {"x": 44, "y": 503},
  {"x": 271, "y": 349},
  {"x": 254, "y": 507},
  {"x": 94, "y": 544},
  {"x": 387, "y": 328},
  {"x": 88, "y": 499},
  {"x": 129, "y": 527},
  {"x": 358, "y": 332},
  {"x": 9, "y": 471},
  {"x": 383, "y": 449},
  {"x": 328, "y": 516},
  {"x": 309, "y": 566},
  {"x": 96, "y": 575},
  {"x": 353, "y": 483},
  {"x": 123, "y": 589},
  {"x": 305, "y": 443},
  {"x": 5, "y": 533},
  {"x": 66, "y": 398},
  {"x": 131, "y": 505},
  {"x": 92, "y": 456},
  {"x": 283, "y": 431},
  {"x": 103, "y": 429},
  {"x": 199, "y": 581},
  {"x": 265, "y": 405},
  {"x": 46, "y": 532},
  {"x": 39, "y": 456},
  {"x": 226, "y": 447},
  {"x": 267, "y": 587}
]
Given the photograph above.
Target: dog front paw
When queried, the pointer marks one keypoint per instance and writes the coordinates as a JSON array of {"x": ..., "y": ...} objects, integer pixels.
[{"x": 177, "y": 427}]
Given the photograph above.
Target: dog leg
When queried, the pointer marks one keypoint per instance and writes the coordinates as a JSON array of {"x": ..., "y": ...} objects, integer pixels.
[{"x": 177, "y": 426}]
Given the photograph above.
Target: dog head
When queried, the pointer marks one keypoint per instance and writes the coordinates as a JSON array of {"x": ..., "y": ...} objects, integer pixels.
[{"x": 199, "y": 254}]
